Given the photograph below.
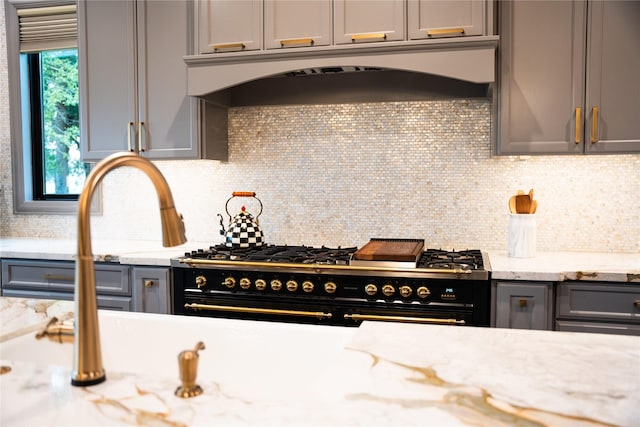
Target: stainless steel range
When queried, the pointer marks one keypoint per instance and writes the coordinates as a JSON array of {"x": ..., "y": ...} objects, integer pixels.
[{"x": 386, "y": 280}]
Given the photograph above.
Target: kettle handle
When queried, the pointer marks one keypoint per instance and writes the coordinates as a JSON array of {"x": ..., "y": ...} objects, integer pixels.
[{"x": 242, "y": 194}]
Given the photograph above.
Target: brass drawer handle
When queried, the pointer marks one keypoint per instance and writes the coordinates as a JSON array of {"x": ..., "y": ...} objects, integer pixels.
[
  {"x": 254, "y": 310},
  {"x": 578, "y": 113},
  {"x": 406, "y": 319},
  {"x": 445, "y": 32},
  {"x": 59, "y": 277},
  {"x": 636, "y": 303},
  {"x": 229, "y": 46},
  {"x": 594, "y": 127},
  {"x": 290, "y": 42},
  {"x": 356, "y": 37}
]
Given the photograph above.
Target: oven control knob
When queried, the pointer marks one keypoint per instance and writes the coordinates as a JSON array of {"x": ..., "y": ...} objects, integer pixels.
[
  {"x": 261, "y": 284},
  {"x": 229, "y": 282},
  {"x": 388, "y": 290},
  {"x": 307, "y": 286},
  {"x": 292, "y": 285},
  {"x": 330, "y": 288},
  {"x": 423, "y": 292},
  {"x": 245, "y": 283},
  {"x": 276, "y": 285},
  {"x": 405, "y": 291},
  {"x": 371, "y": 289},
  {"x": 201, "y": 282}
]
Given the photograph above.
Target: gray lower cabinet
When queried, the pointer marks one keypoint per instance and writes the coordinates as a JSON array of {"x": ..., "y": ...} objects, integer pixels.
[
  {"x": 55, "y": 280},
  {"x": 570, "y": 85},
  {"x": 523, "y": 305},
  {"x": 151, "y": 290},
  {"x": 118, "y": 287},
  {"x": 608, "y": 308}
]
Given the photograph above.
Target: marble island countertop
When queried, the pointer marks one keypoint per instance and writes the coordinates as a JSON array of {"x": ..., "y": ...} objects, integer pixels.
[
  {"x": 381, "y": 374},
  {"x": 546, "y": 266}
]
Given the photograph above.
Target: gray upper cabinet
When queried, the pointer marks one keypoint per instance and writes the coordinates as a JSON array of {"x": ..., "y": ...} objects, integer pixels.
[
  {"x": 613, "y": 86},
  {"x": 443, "y": 18},
  {"x": 361, "y": 21},
  {"x": 289, "y": 24},
  {"x": 230, "y": 25},
  {"x": 570, "y": 87},
  {"x": 133, "y": 79}
]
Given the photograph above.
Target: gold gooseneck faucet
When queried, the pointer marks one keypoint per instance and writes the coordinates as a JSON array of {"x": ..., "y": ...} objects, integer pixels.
[{"x": 87, "y": 354}]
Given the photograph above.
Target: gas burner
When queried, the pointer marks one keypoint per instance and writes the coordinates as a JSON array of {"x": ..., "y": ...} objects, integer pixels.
[
  {"x": 278, "y": 254},
  {"x": 464, "y": 260}
]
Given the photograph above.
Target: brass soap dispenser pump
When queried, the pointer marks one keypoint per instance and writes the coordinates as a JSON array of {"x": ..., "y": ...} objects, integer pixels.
[{"x": 188, "y": 361}]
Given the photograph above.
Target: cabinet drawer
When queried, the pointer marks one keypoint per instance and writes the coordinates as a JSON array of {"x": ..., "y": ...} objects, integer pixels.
[
  {"x": 59, "y": 276},
  {"x": 614, "y": 302},
  {"x": 598, "y": 327},
  {"x": 106, "y": 302}
]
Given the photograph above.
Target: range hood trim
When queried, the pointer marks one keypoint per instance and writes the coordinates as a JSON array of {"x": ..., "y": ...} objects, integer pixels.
[{"x": 469, "y": 59}]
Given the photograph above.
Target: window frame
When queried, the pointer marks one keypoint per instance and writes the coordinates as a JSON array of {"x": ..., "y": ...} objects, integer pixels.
[{"x": 20, "y": 132}]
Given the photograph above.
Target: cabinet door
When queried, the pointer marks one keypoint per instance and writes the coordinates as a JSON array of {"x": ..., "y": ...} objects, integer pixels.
[
  {"x": 541, "y": 77},
  {"x": 230, "y": 25},
  {"x": 443, "y": 18},
  {"x": 297, "y": 23},
  {"x": 357, "y": 21},
  {"x": 151, "y": 290},
  {"x": 167, "y": 117},
  {"x": 524, "y": 305},
  {"x": 613, "y": 86},
  {"x": 107, "y": 73}
]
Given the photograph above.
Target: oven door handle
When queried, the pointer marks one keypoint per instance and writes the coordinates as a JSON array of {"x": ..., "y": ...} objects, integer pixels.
[
  {"x": 406, "y": 319},
  {"x": 254, "y": 310}
]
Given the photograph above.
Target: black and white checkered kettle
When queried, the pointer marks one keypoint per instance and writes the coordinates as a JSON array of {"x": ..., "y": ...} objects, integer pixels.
[{"x": 244, "y": 231}]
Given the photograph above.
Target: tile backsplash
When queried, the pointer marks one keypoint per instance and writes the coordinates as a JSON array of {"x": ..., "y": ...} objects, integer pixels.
[{"x": 341, "y": 174}]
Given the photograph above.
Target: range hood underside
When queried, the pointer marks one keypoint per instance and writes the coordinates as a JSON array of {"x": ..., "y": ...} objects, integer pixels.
[{"x": 399, "y": 72}]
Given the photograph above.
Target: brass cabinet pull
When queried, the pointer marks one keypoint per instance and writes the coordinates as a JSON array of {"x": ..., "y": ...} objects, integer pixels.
[
  {"x": 129, "y": 129},
  {"x": 357, "y": 37},
  {"x": 578, "y": 113},
  {"x": 229, "y": 46},
  {"x": 445, "y": 32},
  {"x": 405, "y": 319},
  {"x": 59, "y": 277},
  {"x": 296, "y": 41},
  {"x": 148, "y": 283},
  {"x": 522, "y": 303},
  {"x": 140, "y": 130},
  {"x": 254, "y": 310},
  {"x": 594, "y": 127},
  {"x": 636, "y": 303}
]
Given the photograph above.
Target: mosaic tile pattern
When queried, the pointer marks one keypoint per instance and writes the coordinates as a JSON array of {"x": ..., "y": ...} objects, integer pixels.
[{"x": 341, "y": 174}]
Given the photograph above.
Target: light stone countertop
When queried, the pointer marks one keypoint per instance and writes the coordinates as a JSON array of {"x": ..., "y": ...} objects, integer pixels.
[
  {"x": 546, "y": 266},
  {"x": 387, "y": 374}
]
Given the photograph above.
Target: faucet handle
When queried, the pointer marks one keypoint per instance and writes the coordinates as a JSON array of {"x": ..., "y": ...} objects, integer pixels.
[
  {"x": 188, "y": 364},
  {"x": 57, "y": 331}
]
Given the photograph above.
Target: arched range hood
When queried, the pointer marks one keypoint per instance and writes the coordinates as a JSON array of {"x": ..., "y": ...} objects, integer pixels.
[{"x": 390, "y": 71}]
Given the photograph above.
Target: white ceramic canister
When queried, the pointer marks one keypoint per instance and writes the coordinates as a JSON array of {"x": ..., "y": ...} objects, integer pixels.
[{"x": 522, "y": 236}]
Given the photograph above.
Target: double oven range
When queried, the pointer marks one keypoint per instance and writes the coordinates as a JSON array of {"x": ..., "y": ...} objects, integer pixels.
[{"x": 329, "y": 286}]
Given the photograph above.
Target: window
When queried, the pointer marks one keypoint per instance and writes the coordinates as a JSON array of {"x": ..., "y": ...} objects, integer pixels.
[{"x": 48, "y": 174}]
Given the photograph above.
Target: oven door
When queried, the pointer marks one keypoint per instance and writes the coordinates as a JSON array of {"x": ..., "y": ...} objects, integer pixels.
[
  {"x": 238, "y": 306},
  {"x": 449, "y": 314}
]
